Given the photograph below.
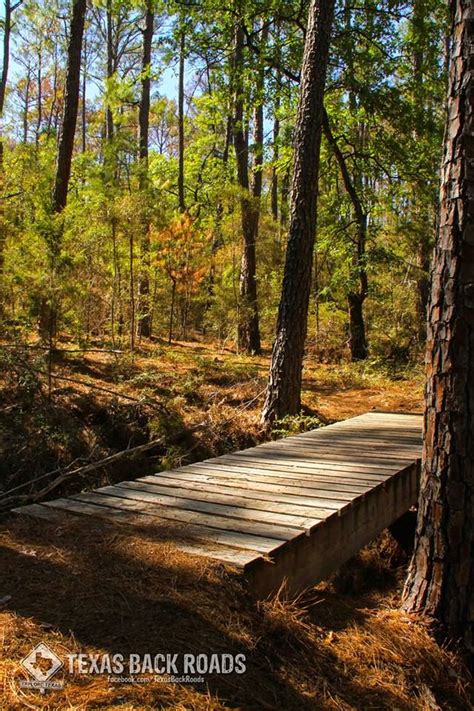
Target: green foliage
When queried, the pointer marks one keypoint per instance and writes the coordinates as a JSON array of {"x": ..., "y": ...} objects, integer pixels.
[
  {"x": 19, "y": 371},
  {"x": 295, "y": 424},
  {"x": 121, "y": 224}
]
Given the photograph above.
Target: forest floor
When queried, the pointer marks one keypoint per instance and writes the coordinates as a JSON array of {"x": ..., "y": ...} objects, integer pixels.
[
  {"x": 100, "y": 402},
  {"x": 98, "y": 588}
]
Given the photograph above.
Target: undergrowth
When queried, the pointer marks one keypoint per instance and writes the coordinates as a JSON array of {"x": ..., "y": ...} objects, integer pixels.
[{"x": 113, "y": 401}]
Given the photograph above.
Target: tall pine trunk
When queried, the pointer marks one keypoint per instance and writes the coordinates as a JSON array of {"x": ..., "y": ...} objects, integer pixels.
[
  {"x": 181, "y": 197},
  {"x": 248, "y": 327},
  {"x": 284, "y": 387},
  {"x": 109, "y": 118},
  {"x": 441, "y": 576},
  {"x": 276, "y": 156},
  {"x": 276, "y": 130},
  {"x": 7, "y": 10},
  {"x": 39, "y": 96},
  {"x": 144, "y": 315},
  {"x": 7, "y": 27},
  {"x": 71, "y": 106},
  {"x": 84, "y": 99},
  {"x": 65, "y": 151}
]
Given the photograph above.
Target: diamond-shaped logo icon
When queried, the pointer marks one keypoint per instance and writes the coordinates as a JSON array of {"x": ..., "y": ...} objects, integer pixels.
[{"x": 42, "y": 663}]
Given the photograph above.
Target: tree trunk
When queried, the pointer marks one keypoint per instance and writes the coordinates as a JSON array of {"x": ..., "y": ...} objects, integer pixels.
[
  {"x": 181, "y": 200},
  {"x": 274, "y": 185},
  {"x": 71, "y": 105},
  {"x": 441, "y": 576},
  {"x": 7, "y": 26},
  {"x": 144, "y": 315},
  {"x": 54, "y": 100},
  {"x": 217, "y": 237},
  {"x": 66, "y": 144},
  {"x": 276, "y": 129},
  {"x": 39, "y": 97},
  {"x": 173, "y": 299},
  {"x": 3, "y": 87},
  {"x": 109, "y": 119},
  {"x": 284, "y": 387},
  {"x": 248, "y": 328},
  {"x": 358, "y": 293},
  {"x": 27, "y": 108},
  {"x": 131, "y": 286},
  {"x": 84, "y": 97},
  {"x": 357, "y": 339}
]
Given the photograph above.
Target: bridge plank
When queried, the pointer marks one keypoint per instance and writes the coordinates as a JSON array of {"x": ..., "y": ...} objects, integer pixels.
[
  {"x": 324, "y": 481},
  {"x": 300, "y": 514},
  {"x": 342, "y": 462},
  {"x": 280, "y": 493},
  {"x": 285, "y": 512},
  {"x": 255, "y": 528},
  {"x": 258, "y": 544},
  {"x": 291, "y": 502},
  {"x": 228, "y": 509},
  {"x": 306, "y": 472},
  {"x": 273, "y": 479}
]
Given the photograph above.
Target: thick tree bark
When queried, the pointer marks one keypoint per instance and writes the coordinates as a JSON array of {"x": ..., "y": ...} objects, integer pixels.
[
  {"x": 248, "y": 326},
  {"x": 144, "y": 315},
  {"x": 441, "y": 576},
  {"x": 284, "y": 387},
  {"x": 71, "y": 106},
  {"x": 355, "y": 297}
]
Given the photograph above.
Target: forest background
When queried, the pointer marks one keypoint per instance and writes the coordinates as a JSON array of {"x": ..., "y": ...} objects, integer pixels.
[{"x": 151, "y": 240}]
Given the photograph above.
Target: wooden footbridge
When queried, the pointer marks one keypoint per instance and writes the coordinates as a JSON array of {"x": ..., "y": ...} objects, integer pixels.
[{"x": 290, "y": 511}]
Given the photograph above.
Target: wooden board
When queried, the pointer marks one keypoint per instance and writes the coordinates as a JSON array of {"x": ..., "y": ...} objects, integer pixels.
[
  {"x": 217, "y": 492},
  {"x": 228, "y": 509},
  {"x": 260, "y": 510},
  {"x": 286, "y": 512},
  {"x": 334, "y": 473}
]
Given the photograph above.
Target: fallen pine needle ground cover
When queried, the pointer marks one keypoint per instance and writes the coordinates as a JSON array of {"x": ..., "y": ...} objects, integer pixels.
[{"x": 95, "y": 588}]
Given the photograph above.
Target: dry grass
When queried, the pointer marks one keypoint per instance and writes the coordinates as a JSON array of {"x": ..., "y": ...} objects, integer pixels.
[
  {"x": 105, "y": 588},
  {"x": 94, "y": 587},
  {"x": 175, "y": 389}
]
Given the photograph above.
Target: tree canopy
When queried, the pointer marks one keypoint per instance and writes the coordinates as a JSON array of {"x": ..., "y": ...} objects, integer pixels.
[{"x": 178, "y": 205}]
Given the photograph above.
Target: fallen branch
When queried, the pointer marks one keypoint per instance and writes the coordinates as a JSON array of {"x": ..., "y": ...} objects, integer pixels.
[
  {"x": 114, "y": 351},
  {"x": 55, "y": 376},
  {"x": 7, "y": 502},
  {"x": 38, "y": 347}
]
